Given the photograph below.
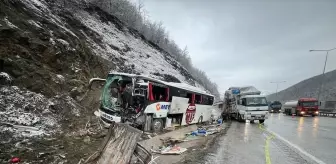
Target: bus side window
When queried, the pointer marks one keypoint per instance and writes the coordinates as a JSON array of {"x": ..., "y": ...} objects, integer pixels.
[
  {"x": 189, "y": 96},
  {"x": 205, "y": 100},
  {"x": 198, "y": 99},
  {"x": 210, "y": 100},
  {"x": 159, "y": 93},
  {"x": 173, "y": 92}
]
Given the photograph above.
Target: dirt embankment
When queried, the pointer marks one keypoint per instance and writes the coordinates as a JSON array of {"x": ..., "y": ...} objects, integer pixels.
[{"x": 49, "y": 71}]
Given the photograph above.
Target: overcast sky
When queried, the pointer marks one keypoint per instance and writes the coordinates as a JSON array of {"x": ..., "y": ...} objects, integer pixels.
[{"x": 252, "y": 42}]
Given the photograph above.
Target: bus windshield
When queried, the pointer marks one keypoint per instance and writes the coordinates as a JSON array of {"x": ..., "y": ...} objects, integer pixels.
[{"x": 115, "y": 85}]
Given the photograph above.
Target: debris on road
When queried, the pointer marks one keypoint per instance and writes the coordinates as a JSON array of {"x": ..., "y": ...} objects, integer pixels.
[
  {"x": 15, "y": 160},
  {"x": 170, "y": 144},
  {"x": 170, "y": 150}
]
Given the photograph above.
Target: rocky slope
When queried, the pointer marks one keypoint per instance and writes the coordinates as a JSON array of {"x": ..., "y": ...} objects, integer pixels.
[
  {"x": 48, "y": 53},
  {"x": 310, "y": 88}
]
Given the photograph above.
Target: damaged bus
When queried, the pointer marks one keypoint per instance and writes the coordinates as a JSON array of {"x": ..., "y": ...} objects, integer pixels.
[{"x": 151, "y": 104}]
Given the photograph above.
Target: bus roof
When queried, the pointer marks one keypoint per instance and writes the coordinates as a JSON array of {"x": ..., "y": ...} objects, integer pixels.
[{"x": 172, "y": 84}]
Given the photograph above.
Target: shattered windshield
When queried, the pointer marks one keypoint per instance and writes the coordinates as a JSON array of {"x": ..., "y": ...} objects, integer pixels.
[
  {"x": 256, "y": 101},
  {"x": 112, "y": 90}
]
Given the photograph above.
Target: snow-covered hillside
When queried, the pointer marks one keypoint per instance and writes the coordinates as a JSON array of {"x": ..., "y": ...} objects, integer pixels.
[
  {"x": 112, "y": 41},
  {"x": 48, "y": 53}
]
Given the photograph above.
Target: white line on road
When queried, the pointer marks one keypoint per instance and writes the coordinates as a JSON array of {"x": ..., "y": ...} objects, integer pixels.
[{"x": 297, "y": 148}]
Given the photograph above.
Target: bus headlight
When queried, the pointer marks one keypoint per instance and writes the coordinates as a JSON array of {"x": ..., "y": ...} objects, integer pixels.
[
  {"x": 316, "y": 112},
  {"x": 302, "y": 112}
]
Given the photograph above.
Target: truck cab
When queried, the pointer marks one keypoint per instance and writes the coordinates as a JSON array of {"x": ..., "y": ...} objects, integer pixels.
[
  {"x": 253, "y": 107},
  {"x": 275, "y": 107}
]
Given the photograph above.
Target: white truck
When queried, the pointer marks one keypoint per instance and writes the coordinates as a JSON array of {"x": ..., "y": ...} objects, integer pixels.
[{"x": 246, "y": 103}]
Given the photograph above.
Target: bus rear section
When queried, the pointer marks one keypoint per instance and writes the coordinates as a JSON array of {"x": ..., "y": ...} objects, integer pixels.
[
  {"x": 302, "y": 107},
  {"x": 184, "y": 106}
]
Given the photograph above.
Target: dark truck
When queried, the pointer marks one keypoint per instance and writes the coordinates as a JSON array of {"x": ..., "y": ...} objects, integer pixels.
[{"x": 275, "y": 107}]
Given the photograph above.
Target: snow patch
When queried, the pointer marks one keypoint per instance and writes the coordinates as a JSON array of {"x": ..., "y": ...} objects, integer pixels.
[
  {"x": 35, "y": 23},
  {"x": 118, "y": 44},
  {"x": 11, "y": 25},
  {"x": 52, "y": 41},
  {"x": 22, "y": 110},
  {"x": 63, "y": 42},
  {"x": 59, "y": 79},
  {"x": 38, "y": 6},
  {"x": 4, "y": 76}
]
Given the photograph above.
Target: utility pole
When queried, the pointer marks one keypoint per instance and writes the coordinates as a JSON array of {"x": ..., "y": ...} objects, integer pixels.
[
  {"x": 277, "y": 83},
  {"x": 323, "y": 78}
]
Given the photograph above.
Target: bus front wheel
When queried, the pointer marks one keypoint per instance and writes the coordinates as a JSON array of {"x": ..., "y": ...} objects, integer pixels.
[{"x": 157, "y": 125}]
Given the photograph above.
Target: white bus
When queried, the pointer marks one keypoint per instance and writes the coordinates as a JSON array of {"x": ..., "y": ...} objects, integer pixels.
[{"x": 151, "y": 104}]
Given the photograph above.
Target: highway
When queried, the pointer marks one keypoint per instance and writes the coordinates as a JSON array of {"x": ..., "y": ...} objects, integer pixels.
[{"x": 283, "y": 139}]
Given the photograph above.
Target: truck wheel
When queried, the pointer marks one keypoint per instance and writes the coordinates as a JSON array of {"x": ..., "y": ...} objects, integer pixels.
[
  {"x": 261, "y": 121},
  {"x": 240, "y": 119},
  {"x": 157, "y": 125}
]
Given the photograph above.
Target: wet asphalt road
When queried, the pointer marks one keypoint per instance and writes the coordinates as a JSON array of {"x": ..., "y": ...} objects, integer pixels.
[{"x": 246, "y": 143}]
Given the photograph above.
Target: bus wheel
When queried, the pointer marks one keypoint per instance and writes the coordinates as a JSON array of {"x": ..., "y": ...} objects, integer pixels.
[
  {"x": 261, "y": 121},
  {"x": 252, "y": 121},
  {"x": 157, "y": 125},
  {"x": 200, "y": 120}
]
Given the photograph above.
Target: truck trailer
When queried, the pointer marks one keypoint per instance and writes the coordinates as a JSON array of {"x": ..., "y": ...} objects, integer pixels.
[{"x": 246, "y": 103}]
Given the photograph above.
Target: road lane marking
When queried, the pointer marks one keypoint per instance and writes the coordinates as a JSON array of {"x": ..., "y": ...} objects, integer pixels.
[
  {"x": 315, "y": 159},
  {"x": 267, "y": 154},
  {"x": 268, "y": 139}
]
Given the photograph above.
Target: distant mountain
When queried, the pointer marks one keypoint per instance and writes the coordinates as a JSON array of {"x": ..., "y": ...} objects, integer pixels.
[{"x": 309, "y": 88}]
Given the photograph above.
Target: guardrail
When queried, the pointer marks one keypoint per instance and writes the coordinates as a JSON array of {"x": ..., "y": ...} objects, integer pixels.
[{"x": 328, "y": 112}]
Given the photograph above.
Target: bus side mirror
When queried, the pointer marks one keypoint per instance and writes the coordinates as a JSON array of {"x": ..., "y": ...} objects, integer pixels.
[{"x": 95, "y": 80}]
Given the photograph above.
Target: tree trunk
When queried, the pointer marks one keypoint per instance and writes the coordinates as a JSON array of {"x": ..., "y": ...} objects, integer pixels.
[
  {"x": 121, "y": 145},
  {"x": 118, "y": 146}
]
